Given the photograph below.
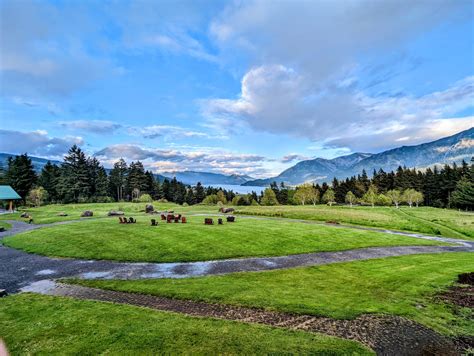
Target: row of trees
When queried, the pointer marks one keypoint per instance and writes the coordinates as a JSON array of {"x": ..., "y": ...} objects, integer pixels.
[{"x": 83, "y": 179}]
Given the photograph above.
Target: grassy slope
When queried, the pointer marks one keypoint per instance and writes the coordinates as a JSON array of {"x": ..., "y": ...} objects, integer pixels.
[
  {"x": 399, "y": 285},
  {"x": 49, "y": 213},
  {"x": 5, "y": 225},
  {"x": 194, "y": 241},
  {"x": 426, "y": 220},
  {"x": 33, "y": 324}
]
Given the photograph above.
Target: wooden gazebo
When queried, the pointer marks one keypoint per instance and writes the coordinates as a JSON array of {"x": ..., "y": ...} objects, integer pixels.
[{"x": 9, "y": 194}]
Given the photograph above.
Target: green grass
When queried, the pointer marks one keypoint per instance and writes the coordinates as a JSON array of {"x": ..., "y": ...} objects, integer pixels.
[
  {"x": 34, "y": 324},
  {"x": 434, "y": 221},
  {"x": 5, "y": 225},
  {"x": 194, "y": 241},
  {"x": 49, "y": 213},
  {"x": 402, "y": 286}
]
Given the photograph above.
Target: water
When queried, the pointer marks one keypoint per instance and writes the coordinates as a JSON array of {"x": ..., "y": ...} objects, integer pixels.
[{"x": 241, "y": 189}]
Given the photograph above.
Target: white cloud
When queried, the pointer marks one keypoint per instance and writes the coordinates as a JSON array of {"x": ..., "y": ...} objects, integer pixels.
[
  {"x": 321, "y": 38},
  {"x": 36, "y": 143},
  {"x": 168, "y": 132},
  {"x": 278, "y": 100},
  {"x": 199, "y": 159},
  {"x": 93, "y": 126},
  {"x": 294, "y": 157}
]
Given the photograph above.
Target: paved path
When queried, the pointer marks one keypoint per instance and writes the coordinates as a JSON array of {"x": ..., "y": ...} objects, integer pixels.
[
  {"x": 19, "y": 269},
  {"x": 386, "y": 335}
]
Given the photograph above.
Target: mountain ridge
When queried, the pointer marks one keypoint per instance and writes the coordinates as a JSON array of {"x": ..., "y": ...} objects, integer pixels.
[{"x": 449, "y": 149}]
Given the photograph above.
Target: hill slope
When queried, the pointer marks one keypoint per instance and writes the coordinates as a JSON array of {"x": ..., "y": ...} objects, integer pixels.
[{"x": 446, "y": 150}]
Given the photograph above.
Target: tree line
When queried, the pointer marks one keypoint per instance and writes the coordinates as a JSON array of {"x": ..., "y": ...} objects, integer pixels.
[
  {"x": 451, "y": 186},
  {"x": 83, "y": 179}
]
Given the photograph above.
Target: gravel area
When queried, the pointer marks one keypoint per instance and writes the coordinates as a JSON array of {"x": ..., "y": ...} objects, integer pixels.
[{"x": 386, "y": 335}]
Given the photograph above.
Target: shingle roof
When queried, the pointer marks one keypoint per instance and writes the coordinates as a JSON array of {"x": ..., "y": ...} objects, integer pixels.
[{"x": 7, "y": 193}]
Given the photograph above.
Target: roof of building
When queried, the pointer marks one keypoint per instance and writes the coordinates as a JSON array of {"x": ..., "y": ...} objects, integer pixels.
[{"x": 8, "y": 193}]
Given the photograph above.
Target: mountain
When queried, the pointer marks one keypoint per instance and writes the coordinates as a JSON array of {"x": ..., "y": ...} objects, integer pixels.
[
  {"x": 38, "y": 163},
  {"x": 207, "y": 178},
  {"x": 446, "y": 150}
]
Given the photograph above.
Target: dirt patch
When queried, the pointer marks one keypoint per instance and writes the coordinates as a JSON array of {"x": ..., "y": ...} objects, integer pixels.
[
  {"x": 386, "y": 335},
  {"x": 461, "y": 296},
  {"x": 466, "y": 278}
]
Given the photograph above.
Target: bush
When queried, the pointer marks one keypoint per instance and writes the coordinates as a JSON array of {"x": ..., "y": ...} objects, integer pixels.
[
  {"x": 145, "y": 198},
  {"x": 210, "y": 200},
  {"x": 185, "y": 204},
  {"x": 162, "y": 200}
]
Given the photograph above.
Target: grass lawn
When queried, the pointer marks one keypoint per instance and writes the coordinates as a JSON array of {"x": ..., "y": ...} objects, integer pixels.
[
  {"x": 5, "y": 225},
  {"x": 194, "y": 241},
  {"x": 32, "y": 324},
  {"x": 402, "y": 286},
  {"x": 433, "y": 221},
  {"x": 49, "y": 213}
]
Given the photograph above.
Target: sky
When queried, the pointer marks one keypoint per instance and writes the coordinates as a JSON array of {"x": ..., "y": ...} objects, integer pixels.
[{"x": 234, "y": 87}]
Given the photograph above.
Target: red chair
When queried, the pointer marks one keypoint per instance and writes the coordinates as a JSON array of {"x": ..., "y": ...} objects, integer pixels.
[{"x": 183, "y": 220}]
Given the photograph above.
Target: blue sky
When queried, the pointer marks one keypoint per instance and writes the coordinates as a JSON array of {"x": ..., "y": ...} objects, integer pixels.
[{"x": 248, "y": 87}]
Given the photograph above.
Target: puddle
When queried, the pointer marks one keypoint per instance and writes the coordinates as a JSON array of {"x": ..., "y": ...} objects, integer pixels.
[
  {"x": 45, "y": 272},
  {"x": 95, "y": 275},
  {"x": 45, "y": 286}
]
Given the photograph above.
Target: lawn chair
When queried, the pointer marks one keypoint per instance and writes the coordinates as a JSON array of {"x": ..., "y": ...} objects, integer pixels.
[
  {"x": 177, "y": 218},
  {"x": 132, "y": 220},
  {"x": 183, "y": 220},
  {"x": 169, "y": 218},
  {"x": 208, "y": 221},
  {"x": 154, "y": 222},
  {"x": 163, "y": 217},
  {"x": 121, "y": 220},
  {"x": 231, "y": 219},
  {"x": 219, "y": 221},
  {"x": 30, "y": 221}
]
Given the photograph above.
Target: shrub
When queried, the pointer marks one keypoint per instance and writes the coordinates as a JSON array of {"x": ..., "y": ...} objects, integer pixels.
[{"x": 145, "y": 198}]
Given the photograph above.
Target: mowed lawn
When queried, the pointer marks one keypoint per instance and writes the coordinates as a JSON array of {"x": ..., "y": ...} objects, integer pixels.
[
  {"x": 427, "y": 220},
  {"x": 404, "y": 286},
  {"x": 34, "y": 324},
  {"x": 107, "y": 239},
  {"x": 49, "y": 213}
]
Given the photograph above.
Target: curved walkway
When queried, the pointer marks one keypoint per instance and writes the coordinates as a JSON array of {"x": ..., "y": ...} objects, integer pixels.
[{"x": 19, "y": 269}]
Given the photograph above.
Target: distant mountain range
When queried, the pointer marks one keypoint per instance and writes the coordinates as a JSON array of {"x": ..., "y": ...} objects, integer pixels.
[
  {"x": 207, "y": 178},
  {"x": 446, "y": 150}
]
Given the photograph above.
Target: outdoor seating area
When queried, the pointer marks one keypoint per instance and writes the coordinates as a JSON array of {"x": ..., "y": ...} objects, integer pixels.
[
  {"x": 220, "y": 221},
  {"x": 130, "y": 220}
]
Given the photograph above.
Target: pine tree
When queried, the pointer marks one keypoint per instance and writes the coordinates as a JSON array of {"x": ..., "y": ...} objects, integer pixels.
[
  {"x": 49, "y": 179},
  {"x": 21, "y": 175},
  {"x": 200, "y": 193},
  {"x": 74, "y": 183},
  {"x": 118, "y": 178}
]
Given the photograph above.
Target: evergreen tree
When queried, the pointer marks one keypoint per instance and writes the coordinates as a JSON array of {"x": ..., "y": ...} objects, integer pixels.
[
  {"x": 118, "y": 178},
  {"x": 74, "y": 183},
  {"x": 20, "y": 174},
  {"x": 49, "y": 180},
  {"x": 200, "y": 193},
  {"x": 463, "y": 195}
]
